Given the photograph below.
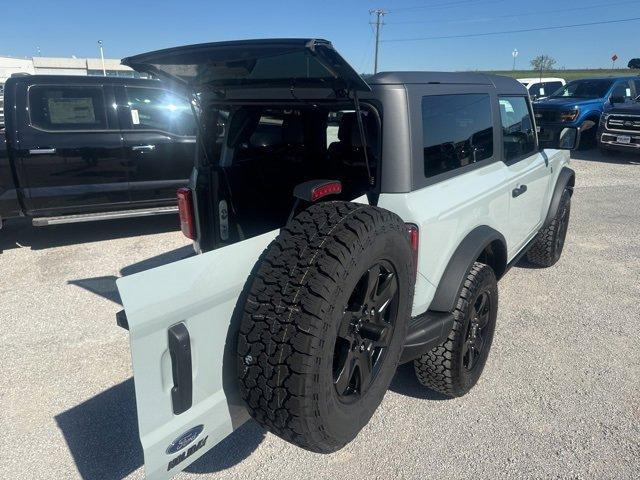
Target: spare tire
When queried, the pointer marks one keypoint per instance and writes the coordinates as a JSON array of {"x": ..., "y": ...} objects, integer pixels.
[{"x": 324, "y": 323}]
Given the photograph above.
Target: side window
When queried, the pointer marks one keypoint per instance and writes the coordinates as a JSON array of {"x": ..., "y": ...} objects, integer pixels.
[
  {"x": 537, "y": 90},
  {"x": 157, "y": 109},
  {"x": 552, "y": 87},
  {"x": 54, "y": 107},
  {"x": 457, "y": 130},
  {"x": 622, "y": 90},
  {"x": 637, "y": 85},
  {"x": 517, "y": 128}
]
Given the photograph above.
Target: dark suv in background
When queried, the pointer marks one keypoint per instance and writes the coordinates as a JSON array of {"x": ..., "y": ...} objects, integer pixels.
[{"x": 619, "y": 129}]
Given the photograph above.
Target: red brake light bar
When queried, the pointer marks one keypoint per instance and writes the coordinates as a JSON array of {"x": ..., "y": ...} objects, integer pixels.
[
  {"x": 414, "y": 240},
  {"x": 326, "y": 189},
  {"x": 185, "y": 208}
]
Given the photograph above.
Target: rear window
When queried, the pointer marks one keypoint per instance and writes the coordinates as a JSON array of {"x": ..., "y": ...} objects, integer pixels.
[
  {"x": 457, "y": 131},
  {"x": 67, "y": 107}
]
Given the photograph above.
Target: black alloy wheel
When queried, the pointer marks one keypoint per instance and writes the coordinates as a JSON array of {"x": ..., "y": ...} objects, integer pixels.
[
  {"x": 365, "y": 331},
  {"x": 475, "y": 338}
]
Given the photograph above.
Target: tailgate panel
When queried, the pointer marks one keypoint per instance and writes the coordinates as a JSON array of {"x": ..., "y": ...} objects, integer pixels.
[{"x": 200, "y": 292}]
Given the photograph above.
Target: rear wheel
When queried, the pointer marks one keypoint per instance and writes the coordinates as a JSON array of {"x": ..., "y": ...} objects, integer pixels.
[
  {"x": 549, "y": 242},
  {"x": 455, "y": 366},
  {"x": 325, "y": 322}
]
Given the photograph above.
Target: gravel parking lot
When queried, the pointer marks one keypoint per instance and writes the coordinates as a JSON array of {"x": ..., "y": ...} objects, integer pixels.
[{"x": 560, "y": 396}]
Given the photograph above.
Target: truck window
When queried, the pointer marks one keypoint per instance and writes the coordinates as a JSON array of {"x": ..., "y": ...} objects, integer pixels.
[
  {"x": 53, "y": 107},
  {"x": 457, "y": 130},
  {"x": 552, "y": 87},
  {"x": 517, "y": 128},
  {"x": 157, "y": 109},
  {"x": 621, "y": 90}
]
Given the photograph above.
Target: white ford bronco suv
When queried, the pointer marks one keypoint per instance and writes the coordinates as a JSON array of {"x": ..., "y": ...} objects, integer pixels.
[{"x": 343, "y": 227}]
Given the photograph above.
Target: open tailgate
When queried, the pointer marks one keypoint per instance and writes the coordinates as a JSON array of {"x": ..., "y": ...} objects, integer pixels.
[{"x": 183, "y": 352}]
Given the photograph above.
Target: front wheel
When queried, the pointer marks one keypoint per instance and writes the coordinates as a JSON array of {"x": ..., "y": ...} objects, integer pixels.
[
  {"x": 453, "y": 367},
  {"x": 325, "y": 322}
]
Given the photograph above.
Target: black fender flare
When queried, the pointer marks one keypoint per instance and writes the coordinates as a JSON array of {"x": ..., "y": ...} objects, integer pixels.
[
  {"x": 566, "y": 180},
  {"x": 461, "y": 262}
]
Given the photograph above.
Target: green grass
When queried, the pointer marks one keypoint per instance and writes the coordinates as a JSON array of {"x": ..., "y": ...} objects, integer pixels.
[{"x": 569, "y": 74}]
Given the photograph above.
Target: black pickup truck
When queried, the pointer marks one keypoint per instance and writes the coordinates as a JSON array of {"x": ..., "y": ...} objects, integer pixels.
[{"x": 90, "y": 148}]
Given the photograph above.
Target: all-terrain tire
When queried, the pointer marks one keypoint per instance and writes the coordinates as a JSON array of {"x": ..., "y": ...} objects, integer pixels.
[
  {"x": 291, "y": 319},
  {"x": 450, "y": 368},
  {"x": 548, "y": 245}
]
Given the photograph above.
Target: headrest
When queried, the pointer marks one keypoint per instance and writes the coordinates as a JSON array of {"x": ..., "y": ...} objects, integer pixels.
[{"x": 292, "y": 130}]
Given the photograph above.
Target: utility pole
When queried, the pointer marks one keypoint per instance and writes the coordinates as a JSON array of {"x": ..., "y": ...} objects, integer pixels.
[
  {"x": 514, "y": 54},
  {"x": 104, "y": 70},
  {"x": 379, "y": 13}
]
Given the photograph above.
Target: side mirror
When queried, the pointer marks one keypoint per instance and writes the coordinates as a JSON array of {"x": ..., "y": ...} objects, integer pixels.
[
  {"x": 617, "y": 99},
  {"x": 569, "y": 139}
]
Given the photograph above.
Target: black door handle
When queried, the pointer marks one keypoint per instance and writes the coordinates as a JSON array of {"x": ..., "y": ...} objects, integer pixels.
[
  {"x": 519, "y": 190},
  {"x": 180, "y": 350}
]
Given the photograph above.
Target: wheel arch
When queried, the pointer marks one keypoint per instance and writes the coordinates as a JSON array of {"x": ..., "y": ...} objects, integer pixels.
[
  {"x": 483, "y": 244},
  {"x": 566, "y": 180}
]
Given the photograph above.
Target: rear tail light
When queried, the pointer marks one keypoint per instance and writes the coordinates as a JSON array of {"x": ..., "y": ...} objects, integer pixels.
[
  {"x": 185, "y": 208},
  {"x": 329, "y": 188},
  {"x": 414, "y": 241}
]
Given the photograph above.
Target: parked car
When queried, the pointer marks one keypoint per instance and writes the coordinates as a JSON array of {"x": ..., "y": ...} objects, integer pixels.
[
  {"x": 541, "y": 87},
  {"x": 326, "y": 265},
  {"x": 579, "y": 104},
  {"x": 619, "y": 129},
  {"x": 91, "y": 148}
]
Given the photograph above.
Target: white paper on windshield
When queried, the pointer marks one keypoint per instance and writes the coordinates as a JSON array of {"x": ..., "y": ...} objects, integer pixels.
[{"x": 135, "y": 116}]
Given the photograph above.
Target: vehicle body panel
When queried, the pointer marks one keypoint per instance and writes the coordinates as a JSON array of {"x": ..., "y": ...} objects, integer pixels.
[{"x": 201, "y": 292}]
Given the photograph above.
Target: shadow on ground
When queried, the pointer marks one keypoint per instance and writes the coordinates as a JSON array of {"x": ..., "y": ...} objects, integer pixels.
[
  {"x": 594, "y": 155},
  {"x": 102, "y": 436},
  {"x": 20, "y": 233},
  {"x": 405, "y": 383},
  {"x": 106, "y": 286}
]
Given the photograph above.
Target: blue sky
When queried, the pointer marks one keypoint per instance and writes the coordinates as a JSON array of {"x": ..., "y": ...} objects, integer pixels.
[{"x": 65, "y": 28}]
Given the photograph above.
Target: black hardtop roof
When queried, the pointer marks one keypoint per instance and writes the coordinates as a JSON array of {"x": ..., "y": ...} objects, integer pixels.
[
  {"x": 504, "y": 85},
  {"x": 80, "y": 80}
]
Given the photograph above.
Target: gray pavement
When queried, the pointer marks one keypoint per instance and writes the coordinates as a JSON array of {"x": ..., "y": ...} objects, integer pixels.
[{"x": 560, "y": 396}]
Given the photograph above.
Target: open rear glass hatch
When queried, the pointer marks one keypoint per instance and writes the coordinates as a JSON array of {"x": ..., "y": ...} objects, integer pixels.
[{"x": 295, "y": 63}]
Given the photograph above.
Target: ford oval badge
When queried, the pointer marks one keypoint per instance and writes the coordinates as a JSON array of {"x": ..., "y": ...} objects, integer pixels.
[{"x": 185, "y": 439}]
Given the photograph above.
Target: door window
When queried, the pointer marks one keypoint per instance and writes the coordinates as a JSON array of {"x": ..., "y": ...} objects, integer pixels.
[
  {"x": 621, "y": 90},
  {"x": 54, "y": 107},
  {"x": 457, "y": 131},
  {"x": 157, "y": 109},
  {"x": 517, "y": 128}
]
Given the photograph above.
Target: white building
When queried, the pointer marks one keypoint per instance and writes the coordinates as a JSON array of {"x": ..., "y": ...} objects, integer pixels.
[{"x": 62, "y": 66}]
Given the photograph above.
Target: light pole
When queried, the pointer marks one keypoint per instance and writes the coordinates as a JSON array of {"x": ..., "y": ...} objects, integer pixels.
[
  {"x": 104, "y": 70},
  {"x": 514, "y": 54}
]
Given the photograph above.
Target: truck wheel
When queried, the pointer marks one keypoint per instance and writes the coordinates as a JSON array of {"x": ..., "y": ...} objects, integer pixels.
[
  {"x": 453, "y": 367},
  {"x": 548, "y": 245},
  {"x": 324, "y": 323}
]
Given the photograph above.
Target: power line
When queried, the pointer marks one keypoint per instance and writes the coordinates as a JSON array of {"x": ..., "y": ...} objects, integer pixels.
[
  {"x": 485, "y": 34},
  {"x": 512, "y": 15},
  {"x": 442, "y": 5}
]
